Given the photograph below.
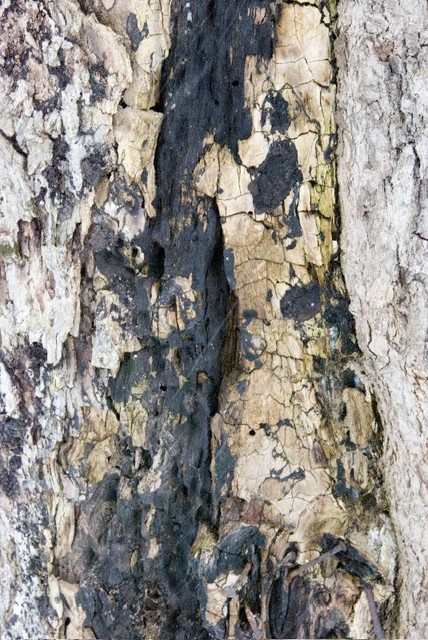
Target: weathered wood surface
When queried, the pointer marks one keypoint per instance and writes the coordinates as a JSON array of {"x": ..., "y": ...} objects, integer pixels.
[
  {"x": 382, "y": 56},
  {"x": 187, "y": 416}
]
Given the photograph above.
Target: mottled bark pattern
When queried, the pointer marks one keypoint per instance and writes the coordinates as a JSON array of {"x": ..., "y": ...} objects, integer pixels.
[{"x": 187, "y": 416}]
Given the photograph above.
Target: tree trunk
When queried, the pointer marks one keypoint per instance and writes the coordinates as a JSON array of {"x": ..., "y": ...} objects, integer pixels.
[
  {"x": 383, "y": 157},
  {"x": 194, "y": 406}
]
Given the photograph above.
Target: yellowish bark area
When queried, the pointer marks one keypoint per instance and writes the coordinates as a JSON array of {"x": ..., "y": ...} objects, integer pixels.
[{"x": 285, "y": 447}]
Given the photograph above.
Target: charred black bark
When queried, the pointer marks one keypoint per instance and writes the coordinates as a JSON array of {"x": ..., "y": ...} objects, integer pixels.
[{"x": 202, "y": 94}]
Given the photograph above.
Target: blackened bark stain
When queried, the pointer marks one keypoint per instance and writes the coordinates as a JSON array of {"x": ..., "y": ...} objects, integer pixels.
[
  {"x": 276, "y": 176},
  {"x": 275, "y": 110},
  {"x": 302, "y": 302},
  {"x": 202, "y": 95},
  {"x": 135, "y": 34},
  {"x": 13, "y": 434},
  {"x": 204, "y": 79}
]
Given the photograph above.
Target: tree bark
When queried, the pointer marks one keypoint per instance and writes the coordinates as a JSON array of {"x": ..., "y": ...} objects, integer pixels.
[
  {"x": 194, "y": 405},
  {"x": 383, "y": 156}
]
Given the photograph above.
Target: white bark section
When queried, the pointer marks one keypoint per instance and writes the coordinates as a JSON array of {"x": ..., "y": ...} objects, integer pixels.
[
  {"x": 63, "y": 73},
  {"x": 382, "y": 115}
]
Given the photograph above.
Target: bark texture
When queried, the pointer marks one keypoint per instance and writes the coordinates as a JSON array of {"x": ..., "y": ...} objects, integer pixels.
[
  {"x": 187, "y": 415},
  {"x": 383, "y": 158}
]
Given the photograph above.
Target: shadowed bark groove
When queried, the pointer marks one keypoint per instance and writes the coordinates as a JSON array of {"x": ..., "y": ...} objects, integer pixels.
[{"x": 188, "y": 420}]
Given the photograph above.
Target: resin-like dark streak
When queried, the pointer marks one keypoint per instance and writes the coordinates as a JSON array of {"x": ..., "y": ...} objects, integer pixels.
[{"x": 202, "y": 94}]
